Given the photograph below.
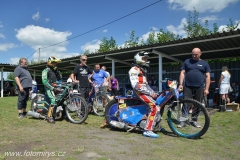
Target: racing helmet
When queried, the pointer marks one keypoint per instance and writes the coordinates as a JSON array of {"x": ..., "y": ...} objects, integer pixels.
[
  {"x": 52, "y": 59},
  {"x": 138, "y": 59}
]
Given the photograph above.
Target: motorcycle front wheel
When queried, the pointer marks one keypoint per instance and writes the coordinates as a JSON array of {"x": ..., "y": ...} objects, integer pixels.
[
  {"x": 188, "y": 119},
  {"x": 76, "y": 109}
]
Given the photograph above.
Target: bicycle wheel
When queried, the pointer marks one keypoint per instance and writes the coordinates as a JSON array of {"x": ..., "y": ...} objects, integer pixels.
[
  {"x": 100, "y": 102},
  {"x": 76, "y": 109},
  {"x": 182, "y": 119},
  {"x": 34, "y": 103}
]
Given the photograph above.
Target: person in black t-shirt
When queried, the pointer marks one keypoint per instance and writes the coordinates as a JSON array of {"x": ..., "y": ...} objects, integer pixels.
[{"x": 80, "y": 75}]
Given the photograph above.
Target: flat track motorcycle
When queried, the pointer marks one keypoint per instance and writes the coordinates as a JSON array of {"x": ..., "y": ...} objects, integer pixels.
[
  {"x": 69, "y": 104},
  {"x": 130, "y": 113}
]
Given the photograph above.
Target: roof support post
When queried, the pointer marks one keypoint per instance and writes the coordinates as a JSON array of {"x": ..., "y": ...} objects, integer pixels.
[
  {"x": 34, "y": 75},
  {"x": 2, "y": 81},
  {"x": 117, "y": 60},
  {"x": 167, "y": 56},
  {"x": 160, "y": 72},
  {"x": 113, "y": 68}
]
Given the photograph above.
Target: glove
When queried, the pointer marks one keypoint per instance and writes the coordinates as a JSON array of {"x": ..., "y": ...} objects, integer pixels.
[
  {"x": 54, "y": 84},
  {"x": 154, "y": 95}
]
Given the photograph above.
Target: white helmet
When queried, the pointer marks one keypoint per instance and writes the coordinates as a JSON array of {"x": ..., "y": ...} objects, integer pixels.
[{"x": 139, "y": 61}]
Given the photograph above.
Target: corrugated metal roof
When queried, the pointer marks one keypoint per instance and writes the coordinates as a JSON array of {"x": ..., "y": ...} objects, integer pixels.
[{"x": 214, "y": 46}]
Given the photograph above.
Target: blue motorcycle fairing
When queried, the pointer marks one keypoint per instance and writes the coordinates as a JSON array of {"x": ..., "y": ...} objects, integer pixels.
[
  {"x": 163, "y": 98},
  {"x": 133, "y": 114}
]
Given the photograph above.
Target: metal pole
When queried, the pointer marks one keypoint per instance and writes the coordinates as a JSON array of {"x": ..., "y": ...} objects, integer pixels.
[
  {"x": 2, "y": 81},
  {"x": 38, "y": 55},
  {"x": 113, "y": 68},
  {"x": 160, "y": 72}
]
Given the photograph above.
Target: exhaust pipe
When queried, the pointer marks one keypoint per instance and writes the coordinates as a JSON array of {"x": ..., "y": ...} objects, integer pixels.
[{"x": 35, "y": 114}]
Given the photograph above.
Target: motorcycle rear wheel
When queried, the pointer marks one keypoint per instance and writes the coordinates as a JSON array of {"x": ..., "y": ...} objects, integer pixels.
[
  {"x": 191, "y": 111},
  {"x": 76, "y": 109}
]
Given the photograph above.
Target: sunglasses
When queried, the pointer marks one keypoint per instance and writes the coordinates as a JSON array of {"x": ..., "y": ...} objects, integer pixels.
[{"x": 84, "y": 59}]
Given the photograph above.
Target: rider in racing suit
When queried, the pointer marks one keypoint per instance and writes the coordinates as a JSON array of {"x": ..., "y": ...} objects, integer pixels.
[
  {"x": 139, "y": 83},
  {"x": 50, "y": 75}
]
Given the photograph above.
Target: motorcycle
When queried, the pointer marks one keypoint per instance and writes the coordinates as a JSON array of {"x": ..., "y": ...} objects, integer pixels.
[
  {"x": 69, "y": 104},
  {"x": 129, "y": 113}
]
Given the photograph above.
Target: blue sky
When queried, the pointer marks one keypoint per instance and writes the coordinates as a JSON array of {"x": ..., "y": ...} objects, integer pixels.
[{"x": 26, "y": 25}]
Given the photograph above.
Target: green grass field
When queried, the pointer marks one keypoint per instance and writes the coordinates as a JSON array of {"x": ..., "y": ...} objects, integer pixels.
[{"x": 68, "y": 141}]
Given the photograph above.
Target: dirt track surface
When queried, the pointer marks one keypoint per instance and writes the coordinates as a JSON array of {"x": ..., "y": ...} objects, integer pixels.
[{"x": 77, "y": 142}]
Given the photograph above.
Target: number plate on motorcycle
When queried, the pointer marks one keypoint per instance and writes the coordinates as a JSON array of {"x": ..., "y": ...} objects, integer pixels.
[{"x": 122, "y": 105}]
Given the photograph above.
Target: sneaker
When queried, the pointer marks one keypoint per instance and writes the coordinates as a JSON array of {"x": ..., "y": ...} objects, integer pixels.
[
  {"x": 50, "y": 120},
  {"x": 20, "y": 115},
  {"x": 150, "y": 134},
  {"x": 24, "y": 114},
  {"x": 181, "y": 125},
  {"x": 195, "y": 124}
]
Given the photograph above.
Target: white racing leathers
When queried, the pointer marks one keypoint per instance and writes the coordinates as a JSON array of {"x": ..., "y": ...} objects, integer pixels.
[{"x": 142, "y": 89}]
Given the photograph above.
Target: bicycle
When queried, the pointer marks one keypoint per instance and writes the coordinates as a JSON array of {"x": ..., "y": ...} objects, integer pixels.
[
  {"x": 98, "y": 99},
  {"x": 68, "y": 102}
]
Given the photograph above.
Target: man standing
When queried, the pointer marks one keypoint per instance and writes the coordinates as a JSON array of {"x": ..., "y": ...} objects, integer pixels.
[
  {"x": 196, "y": 74},
  {"x": 80, "y": 75},
  {"x": 24, "y": 83},
  {"x": 98, "y": 77},
  {"x": 107, "y": 82}
]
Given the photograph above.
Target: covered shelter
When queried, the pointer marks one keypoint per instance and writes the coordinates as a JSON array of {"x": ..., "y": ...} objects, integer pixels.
[{"x": 214, "y": 46}]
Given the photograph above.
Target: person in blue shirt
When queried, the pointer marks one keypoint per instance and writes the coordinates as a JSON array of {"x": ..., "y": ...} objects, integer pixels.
[
  {"x": 195, "y": 73},
  {"x": 97, "y": 78}
]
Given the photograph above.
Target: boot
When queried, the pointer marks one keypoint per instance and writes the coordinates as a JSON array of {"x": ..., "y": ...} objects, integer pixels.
[
  {"x": 49, "y": 116},
  {"x": 50, "y": 120}
]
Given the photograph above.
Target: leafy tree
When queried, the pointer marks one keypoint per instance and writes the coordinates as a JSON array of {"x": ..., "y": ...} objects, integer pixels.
[
  {"x": 194, "y": 28},
  {"x": 166, "y": 36},
  {"x": 215, "y": 28},
  {"x": 151, "y": 37},
  {"x": 133, "y": 42},
  {"x": 35, "y": 62},
  {"x": 10, "y": 76},
  {"x": 86, "y": 52},
  {"x": 231, "y": 26},
  {"x": 107, "y": 45}
]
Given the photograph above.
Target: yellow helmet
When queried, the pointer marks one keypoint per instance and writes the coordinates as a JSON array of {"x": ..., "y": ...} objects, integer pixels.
[{"x": 51, "y": 60}]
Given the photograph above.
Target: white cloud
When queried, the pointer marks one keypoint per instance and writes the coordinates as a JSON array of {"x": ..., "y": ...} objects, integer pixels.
[
  {"x": 224, "y": 27},
  {"x": 178, "y": 29},
  {"x": 47, "y": 19},
  {"x": 104, "y": 31},
  {"x": 45, "y": 54},
  {"x": 154, "y": 28},
  {"x": 209, "y": 18},
  {"x": 14, "y": 60},
  {"x": 1, "y": 25},
  {"x": 91, "y": 46},
  {"x": 36, "y": 16},
  {"x": 38, "y": 37},
  {"x": 145, "y": 36},
  {"x": 2, "y": 36},
  {"x": 6, "y": 46},
  {"x": 201, "y": 5}
]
